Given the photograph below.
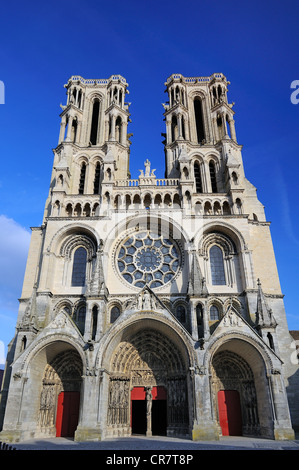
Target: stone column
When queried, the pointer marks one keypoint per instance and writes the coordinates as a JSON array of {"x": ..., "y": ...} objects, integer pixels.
[
  {"x": 179, "y": 118},
  {"x": 231, "y": 123},
  {"x": 149, "y": 399},
  {"x": 282, "y": 422},
  {"x": 112, "y": 135},
  {"x": 194, "y": 327},
  {"x": 69, "y": 129},
  {"x": 62, "y": 129},
  {"x": 87, "y": 331},
  {"x": 204, "y": 424},
  {"x": 88, "y": 427}
]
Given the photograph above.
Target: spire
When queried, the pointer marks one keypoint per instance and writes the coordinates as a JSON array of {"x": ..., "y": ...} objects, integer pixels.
[
  {"x": 197, "y": 283},
  {"x": 264, "y": 314}
]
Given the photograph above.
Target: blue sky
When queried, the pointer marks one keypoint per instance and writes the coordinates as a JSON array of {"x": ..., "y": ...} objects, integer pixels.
[{"x": 255, "y": 44}]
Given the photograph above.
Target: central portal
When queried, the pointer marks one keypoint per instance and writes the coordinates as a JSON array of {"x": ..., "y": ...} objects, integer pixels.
[
  {"x": 149, "y": 411},
  {"x": 147, "y": 387}
]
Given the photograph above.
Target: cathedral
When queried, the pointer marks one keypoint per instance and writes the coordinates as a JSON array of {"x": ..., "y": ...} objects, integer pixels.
[{"x": 150, "y": 306}]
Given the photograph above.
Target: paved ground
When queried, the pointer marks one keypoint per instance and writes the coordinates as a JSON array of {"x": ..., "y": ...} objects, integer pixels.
[{"x": 158, "y": 443}]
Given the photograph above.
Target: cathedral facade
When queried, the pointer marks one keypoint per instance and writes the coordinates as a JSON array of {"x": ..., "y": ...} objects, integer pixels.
[{"x": 150, "y": 305}]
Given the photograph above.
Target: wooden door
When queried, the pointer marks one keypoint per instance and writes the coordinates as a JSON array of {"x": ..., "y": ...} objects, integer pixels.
[
  {"x": 230, "y": 416},
  {"x": 67, "y": 414}
]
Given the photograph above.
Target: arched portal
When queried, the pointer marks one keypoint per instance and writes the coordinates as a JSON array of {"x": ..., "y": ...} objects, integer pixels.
[
  {"x": 235, "y": 397},
  {"x": 148, "y": 384},
  {"x": 60, "y": 394}
]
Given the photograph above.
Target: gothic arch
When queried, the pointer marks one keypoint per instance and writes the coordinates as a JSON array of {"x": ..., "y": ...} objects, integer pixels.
[
  {"x": 163, "y": 324},
  {"x": 30, "y": 368},
  {"x": 231, "y": 373},
  {"x": 235, "y": 302},
  {"x": 152, "y": 348},
  {"x": 214, "y": 157},
  {"x": 246, "y": 367},
  {"x": 81, "y": 158},
  {"x": 56, "y": 243},
  {"x": 62, "y": 374},
  {"x": 202, "y": 97},
  {"x": 197, "y": 94},
  {"x": 224, "y": 228},
  {"x": 44, "y": 350},
  {"x": 146, "y": 352},
  {"x": 63, "y": 305},
  {"x": 218, "y": 302},
  {"x": 95, "y": 95},
  {"x": 96, "y": 158},
  {"x": 222, "y": 259},
  {"x": 72, "y": 242},
  {"x": 219, "y": 239},
  {"x": 65, "y": 245}
]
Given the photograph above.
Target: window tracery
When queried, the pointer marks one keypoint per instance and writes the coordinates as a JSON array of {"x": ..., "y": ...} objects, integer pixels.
[
  {"x": 148, "y": 258},
  {"x": 221, "y": 260},
  {"x": 78, "y": 251}
]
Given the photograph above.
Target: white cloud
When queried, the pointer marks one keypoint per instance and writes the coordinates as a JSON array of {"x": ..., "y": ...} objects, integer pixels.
[
  {"x": 14, "y": 245},
  {"x": 2, "y": 353}
]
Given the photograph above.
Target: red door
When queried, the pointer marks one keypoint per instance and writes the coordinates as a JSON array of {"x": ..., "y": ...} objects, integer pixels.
[
  {"x": 230, "y": 416},
  {"x": 67, "y": 414}
]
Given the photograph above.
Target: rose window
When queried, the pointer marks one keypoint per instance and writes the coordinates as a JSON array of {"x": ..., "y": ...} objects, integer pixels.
[{"x": 146, "y": 258}]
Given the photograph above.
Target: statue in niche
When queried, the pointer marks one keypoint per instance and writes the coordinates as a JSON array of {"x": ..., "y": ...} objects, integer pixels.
[
  {"x": 143, "y": 301},
  {"x": 146, "y": 301}
]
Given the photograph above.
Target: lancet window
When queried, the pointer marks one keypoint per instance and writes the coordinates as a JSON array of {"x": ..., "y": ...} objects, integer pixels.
[
  {"x": 96, "y": 183},
  {"x": 82, "y": 178},
  {"x": 118, "y": 130},
  {"x": 198, "y": 112},
  {"x": 79, "y": 267},
  {"x": 217, "y": 266},
  {"x": 114, "y": 313},
  {"x": 197, "y": 176},
  {"x": 181, "y": 313},
  {"x": 214, "y": 313},
  {"x": 95, "y": 122},
  {"x": 213, "y": 176},
  {"x": 221, "y": 260},
  {"x": 95, "y": 312},
  {"x": 80, "y": 315}
]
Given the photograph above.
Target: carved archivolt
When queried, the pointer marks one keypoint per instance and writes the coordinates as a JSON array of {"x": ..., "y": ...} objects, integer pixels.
[
  {"x": 74, "y": 241},
  {"x": 147, "y": 359},
  {"x": 62, "y": 374},
  {"x": 228, "y": 365},
  {"x": 147, "y": 350},
  {"x": 231, "y": 372},
  {"x": 219, "y": 239}
]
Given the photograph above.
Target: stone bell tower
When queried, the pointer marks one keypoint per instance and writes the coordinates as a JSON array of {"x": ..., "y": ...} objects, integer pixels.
[
  {"x": 198, "y": 117},
  {"x": 95, "y": 118}
]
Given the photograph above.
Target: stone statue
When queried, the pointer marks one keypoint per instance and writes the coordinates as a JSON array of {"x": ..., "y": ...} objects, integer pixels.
[{"x": 147, "y": 165}]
